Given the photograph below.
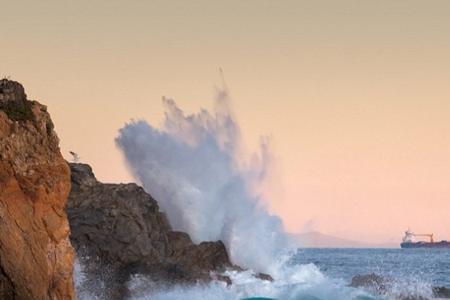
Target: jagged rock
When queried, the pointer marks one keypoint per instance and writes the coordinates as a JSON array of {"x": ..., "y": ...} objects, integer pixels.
[
  {"x": 119, "y": 228},
  {"x": 36, "y": 259},
  {"x": 120, "y": 221}
]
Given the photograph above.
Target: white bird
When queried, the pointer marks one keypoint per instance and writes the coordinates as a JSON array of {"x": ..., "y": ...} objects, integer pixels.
[{"x": 75, "y": 157}]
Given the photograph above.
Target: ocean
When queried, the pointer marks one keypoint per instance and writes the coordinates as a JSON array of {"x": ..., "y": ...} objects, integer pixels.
[{"x": 428, "y": 266}]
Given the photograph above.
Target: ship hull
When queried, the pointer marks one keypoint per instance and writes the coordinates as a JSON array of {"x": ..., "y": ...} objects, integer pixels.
[{"x": 438, "y": 245}]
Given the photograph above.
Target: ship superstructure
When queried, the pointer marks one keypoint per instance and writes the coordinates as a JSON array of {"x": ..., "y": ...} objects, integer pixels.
[{"x": 409, "y": 241}]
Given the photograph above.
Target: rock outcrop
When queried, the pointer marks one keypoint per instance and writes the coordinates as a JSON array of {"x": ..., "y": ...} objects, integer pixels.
[
  {"x": 118, "y": 230},
  {"x": 36, "y": 258}
]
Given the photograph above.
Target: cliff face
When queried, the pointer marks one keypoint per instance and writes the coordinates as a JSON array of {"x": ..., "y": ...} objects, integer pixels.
[
  {"x": 36, "y": 258},
  {"x": 119, "y": 228}
]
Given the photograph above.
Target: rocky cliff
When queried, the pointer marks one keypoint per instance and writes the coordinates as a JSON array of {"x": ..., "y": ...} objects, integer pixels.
[
  {"x": 118, "y": 231},
  {"x": 36, "y": 258}
]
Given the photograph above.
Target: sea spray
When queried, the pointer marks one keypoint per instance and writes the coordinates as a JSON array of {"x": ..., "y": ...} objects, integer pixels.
[
  {"x": 195, "y": 166},
  {"x": 308, "y": 283},
  {"x": 294, "y": 282}
]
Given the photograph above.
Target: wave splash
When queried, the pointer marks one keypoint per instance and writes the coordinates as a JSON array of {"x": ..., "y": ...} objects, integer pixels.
[
  {"x": 303, "y": 282},
  {"x": 196, "y": 168},
  {"x": 294, "y": 282}
]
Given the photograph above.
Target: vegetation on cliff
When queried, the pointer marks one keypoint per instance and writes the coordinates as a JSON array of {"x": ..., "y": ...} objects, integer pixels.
[{"x": 13, "y": 101}]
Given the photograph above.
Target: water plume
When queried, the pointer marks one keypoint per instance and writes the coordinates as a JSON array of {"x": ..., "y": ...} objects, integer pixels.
[{"x": 196, "y": 167}]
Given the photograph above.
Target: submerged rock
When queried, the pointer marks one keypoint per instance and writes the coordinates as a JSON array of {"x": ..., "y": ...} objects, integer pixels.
[
  {"x": 265, "y": 277},
  {"x": 118, "y": 231},
  {"x": 36, "y": 258},
  {"x": 380, "y": 285},
  {"x": 441, "y": 292},
  {"x": 371, "y": 282}
]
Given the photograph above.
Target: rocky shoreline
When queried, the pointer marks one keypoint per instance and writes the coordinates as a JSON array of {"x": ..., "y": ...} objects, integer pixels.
[{"x": 117, "y": 230}]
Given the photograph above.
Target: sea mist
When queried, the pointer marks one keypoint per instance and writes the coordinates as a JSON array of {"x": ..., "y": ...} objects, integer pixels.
[{"x": 195, "y": 167}]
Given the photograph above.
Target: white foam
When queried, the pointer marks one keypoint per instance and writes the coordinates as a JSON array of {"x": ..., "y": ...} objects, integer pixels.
[
  {"x": 301, "y": 282},
  {"x": 83, "y": 290}
]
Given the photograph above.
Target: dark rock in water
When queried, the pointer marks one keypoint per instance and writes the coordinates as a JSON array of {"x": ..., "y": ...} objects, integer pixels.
[
  {"x": 265, "y": 277},
  {"x": 205, "y": 256},
  {"x": 223, "y": 278},
  {"x": 118, "y": 230},
  {"x": 441, "y": 292},
  {"x": 380, "y": 285},
  {"x": 371, "y": 282}
]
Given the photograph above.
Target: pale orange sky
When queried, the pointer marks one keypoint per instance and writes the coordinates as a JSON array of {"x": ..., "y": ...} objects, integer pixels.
[{"x": 355, "y": 93}]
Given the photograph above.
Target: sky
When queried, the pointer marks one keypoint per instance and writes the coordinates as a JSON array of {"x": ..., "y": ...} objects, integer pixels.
[{"x": 355, "y": 94}]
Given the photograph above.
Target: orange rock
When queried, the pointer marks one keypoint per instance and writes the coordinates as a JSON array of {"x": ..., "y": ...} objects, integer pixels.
[{"x": 36, "y": 258}]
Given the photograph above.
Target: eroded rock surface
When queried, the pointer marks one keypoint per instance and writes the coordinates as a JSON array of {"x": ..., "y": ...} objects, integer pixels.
[
  {"x": 118, "y": 230},
  {"x": 36, "y": 258}
]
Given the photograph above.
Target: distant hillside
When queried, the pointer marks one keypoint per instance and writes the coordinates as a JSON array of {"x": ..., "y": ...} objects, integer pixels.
[{"x": 315, "y": 239}]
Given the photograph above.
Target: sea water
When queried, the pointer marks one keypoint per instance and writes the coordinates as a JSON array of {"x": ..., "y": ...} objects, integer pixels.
[
  {"x": 430, "y": 266},
  {"x": 322, "y": 274}
]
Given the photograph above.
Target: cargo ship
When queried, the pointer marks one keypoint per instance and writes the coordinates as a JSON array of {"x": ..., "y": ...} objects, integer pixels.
[{"x": 410, "y": 237}]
